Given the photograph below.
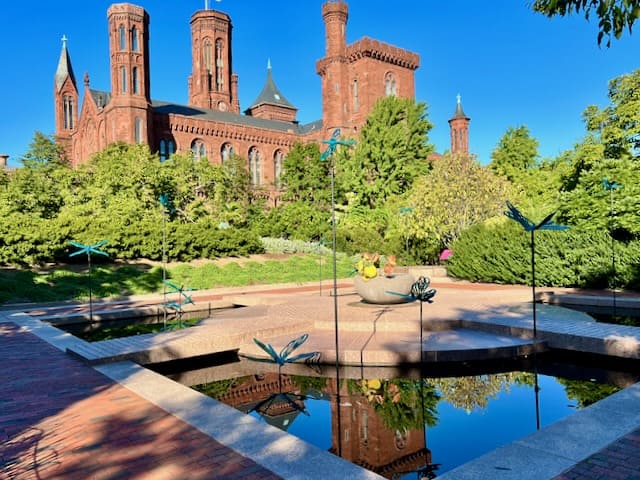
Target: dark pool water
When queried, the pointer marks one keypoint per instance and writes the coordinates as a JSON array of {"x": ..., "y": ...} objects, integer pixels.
[{"x": 397, "y": 425}]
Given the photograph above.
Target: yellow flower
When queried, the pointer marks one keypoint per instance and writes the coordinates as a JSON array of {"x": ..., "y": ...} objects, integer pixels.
[{"x": 369, "y": 272}]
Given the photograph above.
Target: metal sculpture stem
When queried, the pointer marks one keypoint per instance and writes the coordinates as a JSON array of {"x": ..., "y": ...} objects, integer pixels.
[
  {"x": 90, "y": 295},
  {"x": 164, "y": 267},
  {"x": 613, "y": 254},
  {"x": 533, "y": 283},
  {"x": 335, "y": 268}
]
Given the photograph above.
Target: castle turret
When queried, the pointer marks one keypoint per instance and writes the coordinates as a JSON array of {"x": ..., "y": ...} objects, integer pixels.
[
  {"x": 459, "y": 126},
  {"x": 333, "y": 68},
  {"x": 65, "y": 95},
  {"x": 212, "y": 84},
  {"x": 130, "y": 105}
]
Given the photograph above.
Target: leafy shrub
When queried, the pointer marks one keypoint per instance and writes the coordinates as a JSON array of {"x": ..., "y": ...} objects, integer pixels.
[
  {"x": 297, "y": 221},
  {"x": 283, "y": 245},
  {"x": 501, "y": 253}
]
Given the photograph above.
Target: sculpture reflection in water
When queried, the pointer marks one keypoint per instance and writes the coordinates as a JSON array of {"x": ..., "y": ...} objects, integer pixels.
[
  {"x": 177, "y": 304},
  {"x": 281, "y": 401},
  {"x": 385, "y": 420}
]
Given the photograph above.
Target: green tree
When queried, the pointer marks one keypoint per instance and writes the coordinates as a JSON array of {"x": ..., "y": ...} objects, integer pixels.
[
  {"x": 43, "y": 150},
  {"x": 38, "y": 187},
  {"x": 305, "y": 177},
  {"x": 617, "y": 126},
  {"x": 391, "y": 153},
  {"x": 516, "y": 152},
  {"x": 589, "y": 204},
  {"x": 614, "y": 16},
  {"x": 456, "y": 194}
]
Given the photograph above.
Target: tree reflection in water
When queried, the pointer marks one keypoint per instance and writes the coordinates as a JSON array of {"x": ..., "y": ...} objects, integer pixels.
[{"x": 380, "y": 424}]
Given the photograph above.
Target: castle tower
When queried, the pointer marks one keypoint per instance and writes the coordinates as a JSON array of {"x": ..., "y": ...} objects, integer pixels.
[
  {"x": 333, "y": 68},
  {"x": 129, "y": 110},
  {"x": 355, "y": 76},
  {"x": 459, "y": 127},
  {"x": 211, "y": 83},
  {"x": 65, "y": 95}
]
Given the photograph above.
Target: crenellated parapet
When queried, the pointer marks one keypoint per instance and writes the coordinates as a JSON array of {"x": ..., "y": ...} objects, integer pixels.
[{"x": 368, "y": 47}]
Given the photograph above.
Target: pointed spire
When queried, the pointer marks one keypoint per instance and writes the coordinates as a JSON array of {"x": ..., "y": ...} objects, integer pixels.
[
  {"x": 64, "y": 69},
  {"x": 270, "y": 93},
  {"x": 459, "y": 112}
]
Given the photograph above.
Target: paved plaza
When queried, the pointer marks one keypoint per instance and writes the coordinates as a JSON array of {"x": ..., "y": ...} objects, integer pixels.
[{"x": 62, "y": 418}]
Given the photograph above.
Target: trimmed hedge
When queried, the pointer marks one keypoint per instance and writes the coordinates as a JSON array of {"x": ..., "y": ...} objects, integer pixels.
[{"x": 501, "y": 253}]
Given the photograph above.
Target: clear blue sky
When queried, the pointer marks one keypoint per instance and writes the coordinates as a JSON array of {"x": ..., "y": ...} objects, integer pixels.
[{"x": 511, "y": 66}]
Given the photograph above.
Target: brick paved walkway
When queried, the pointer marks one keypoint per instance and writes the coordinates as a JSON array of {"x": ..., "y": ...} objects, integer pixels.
[
  {"x": 618, "y": 461},
  {"x": 61, "y": 419}
]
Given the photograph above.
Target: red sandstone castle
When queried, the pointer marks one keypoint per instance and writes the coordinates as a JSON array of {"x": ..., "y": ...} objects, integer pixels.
[{"x": 212, "y": 124}]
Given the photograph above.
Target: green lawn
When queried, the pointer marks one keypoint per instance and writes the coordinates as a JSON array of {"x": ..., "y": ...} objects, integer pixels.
[{"x": 112, "y": 280}]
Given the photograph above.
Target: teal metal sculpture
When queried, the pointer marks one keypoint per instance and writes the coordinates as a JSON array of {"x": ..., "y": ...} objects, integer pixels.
[
  {"x": 333, "y": 143},
  {"x": 89, "y": 250},
  {"x": 182, "y": 300},
  {"x": 610, "y": 187},
  {"x": 285, "y": 354},
  {"x": 546, "y": 224},
  {"x": 294, "y": 400}
]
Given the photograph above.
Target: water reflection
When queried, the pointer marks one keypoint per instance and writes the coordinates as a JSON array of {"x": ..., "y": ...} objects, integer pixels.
[{"x": 398, "y": 423}]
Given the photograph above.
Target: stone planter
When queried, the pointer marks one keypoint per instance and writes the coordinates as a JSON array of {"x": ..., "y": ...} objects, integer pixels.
[{"x": 376, "y": 290}]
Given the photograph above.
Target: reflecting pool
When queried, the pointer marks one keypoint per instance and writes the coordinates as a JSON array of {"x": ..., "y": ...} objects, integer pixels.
[{"x": 408, "y": 422}]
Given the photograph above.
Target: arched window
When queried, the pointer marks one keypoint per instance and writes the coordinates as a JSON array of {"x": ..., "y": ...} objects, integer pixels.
[
  {"x": 167, "y": 148},
  {"x": 278, "y": 162},
  {"x": 356, "y": 100},
  {"x": 67, "y": 112},
  {"x": 219, "y": 66},
  {"x": 226, "y": 152},
  {"x": 389, "y": 84},
  {"x": 255, "y": 166},
  {"x": 134, "y": 39},
  {"x": 198, "y": 148},
  {"x": 122, "y": 36},
  {"x": 134, "y": 80},
  {"x": 207, "y": 58},
  {"x": 138, "y": 130},
  {"x": 123, "y": 79}
]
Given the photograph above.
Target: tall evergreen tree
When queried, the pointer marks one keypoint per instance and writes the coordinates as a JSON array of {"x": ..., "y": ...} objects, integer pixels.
[{"x": 391, "y": 153}]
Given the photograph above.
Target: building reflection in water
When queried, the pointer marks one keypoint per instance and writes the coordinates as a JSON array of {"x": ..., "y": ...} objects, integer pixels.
[{"x": 359, "y": 432}]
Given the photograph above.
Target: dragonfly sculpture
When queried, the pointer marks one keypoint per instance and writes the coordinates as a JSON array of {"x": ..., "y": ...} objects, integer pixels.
[
  {"x": 546, "y": 224},
  {"x": 89, "y": 250},
  {"x": 293, "y": 400},
  {"x": 610, "y": 186},
  {"x": 285, "y": 354},
  {"x": 176, "y": 305},
  {"x": 333, "y": 143}
]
